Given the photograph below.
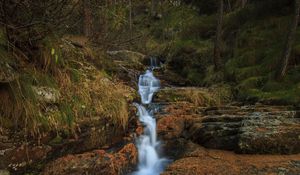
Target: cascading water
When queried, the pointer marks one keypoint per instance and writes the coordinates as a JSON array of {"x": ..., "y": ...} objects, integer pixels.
[
  {"x": 154, "y": 62},
  {"x": 148, "y": 85},
  {"x": 149, "y": 161}
]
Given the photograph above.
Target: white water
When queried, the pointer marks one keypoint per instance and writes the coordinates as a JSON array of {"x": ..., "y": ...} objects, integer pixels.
[
  {"x": 149, "y": 161},
  {"x": 154, "y": 62},
  {"x": 148, "y": 85}
]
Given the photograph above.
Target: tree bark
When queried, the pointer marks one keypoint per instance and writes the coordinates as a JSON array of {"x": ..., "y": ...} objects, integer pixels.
[
  {"x": 284, "y": 60},
  {"x": 87, "y": 29},
  {"x": 217, "y": 48},
  {"x": 154, "y": 7},
  {"x": 244, "y": 2},
  {"x": 130, "y": 18}
]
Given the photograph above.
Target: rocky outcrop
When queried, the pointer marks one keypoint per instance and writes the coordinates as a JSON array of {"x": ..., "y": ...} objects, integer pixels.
[
  {"x": 95, "y": 162},
  {"x": 236, "y": 133},
  {"x": 202, "y": 161},
  {"x": 18, "y": 157},
  {"x": 248, "y": 129}
]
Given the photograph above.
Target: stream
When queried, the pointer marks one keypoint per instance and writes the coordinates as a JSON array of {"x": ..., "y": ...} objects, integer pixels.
[{"x": 150, "y": 162}]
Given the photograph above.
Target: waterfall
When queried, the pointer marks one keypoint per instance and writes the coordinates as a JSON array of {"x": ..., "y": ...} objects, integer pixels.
[
  {"x": 148, "y": 85},
  {"x": 153, "y": 62},
  {"x": 150, "y": 163}
]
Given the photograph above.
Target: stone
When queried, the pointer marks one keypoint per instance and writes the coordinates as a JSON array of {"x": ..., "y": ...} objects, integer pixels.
[
  {"x": 251, "y": 130},
  {"x": 94, "y": 162},
  {"x": 202, "y": 161},
  {"x": 4, "y": 172},
  {"x": 47, "y": 94},
  {"x": 131, "y": 56},
  {"x": 18, "y": 157}
]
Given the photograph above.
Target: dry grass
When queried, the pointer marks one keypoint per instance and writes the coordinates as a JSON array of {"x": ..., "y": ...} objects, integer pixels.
[
  {"x": 204, "y": 97},
  {"x": 86, "y": 92},
  {"x": 199, "y": 97}
]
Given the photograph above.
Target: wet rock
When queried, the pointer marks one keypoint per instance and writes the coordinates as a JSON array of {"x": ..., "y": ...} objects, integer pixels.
[
  {"x": 201, "y": 161},
  {"x": 47, "y": 94},
  {"x": 95, "y": 162}
]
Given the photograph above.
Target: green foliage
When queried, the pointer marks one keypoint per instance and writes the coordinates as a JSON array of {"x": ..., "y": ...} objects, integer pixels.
[{"x": 253, "y": 41}]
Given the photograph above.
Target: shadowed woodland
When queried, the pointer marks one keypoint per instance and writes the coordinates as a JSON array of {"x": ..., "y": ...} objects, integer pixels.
[{"x": 230, "y": 85}]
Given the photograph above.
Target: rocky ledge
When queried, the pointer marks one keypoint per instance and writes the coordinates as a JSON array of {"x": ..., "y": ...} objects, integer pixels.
[
  {"x": 230, "y": 139},
  {"x": 202, "y": 161},
  {"x": 248, "y": 129},
  {"x": 94, "y": 162}
]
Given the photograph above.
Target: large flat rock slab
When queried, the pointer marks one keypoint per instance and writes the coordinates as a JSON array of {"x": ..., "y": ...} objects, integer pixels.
[
  {"x": 202, "y": 161},
  {"x": 252, "y": 130}
]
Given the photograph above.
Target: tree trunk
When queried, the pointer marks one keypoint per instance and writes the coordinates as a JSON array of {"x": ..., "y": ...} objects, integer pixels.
[
  {"x": 154, "y": 7},
  {"x": 284, "y": 60},
  {"x": 229, "y": 5},
  {"x": 87, "y": 29},
  {"x": 217, "y": 49},
  {"x": 244, "y": 2},
  {"x": 130, "y": 18}
]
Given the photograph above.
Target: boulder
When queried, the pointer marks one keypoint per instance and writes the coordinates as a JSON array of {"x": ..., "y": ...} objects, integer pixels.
[{"x": 95, "y": 162}]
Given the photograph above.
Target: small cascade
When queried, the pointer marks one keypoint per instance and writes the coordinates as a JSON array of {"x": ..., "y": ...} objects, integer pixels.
[
  {"x": 154, "y": 64},
  {"x": 150, "y": 163},
  {"x": 148, "y": 85}
]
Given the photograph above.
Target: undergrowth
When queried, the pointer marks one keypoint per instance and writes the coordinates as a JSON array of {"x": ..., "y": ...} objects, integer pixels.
[{"x": 82, "y": 92}]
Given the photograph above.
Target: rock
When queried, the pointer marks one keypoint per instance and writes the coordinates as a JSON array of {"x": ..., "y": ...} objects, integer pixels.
[
  {"x": 95, "y": 162},
  {"x": 201, "y": 161},
  {"x": 170, "y": 127},
  {"x": 4, "y": 172},
  {"x": 7, "y": 73},
  {"x": 174, "y": 120},
  {"x": 18, "y": 157},
  {"x": 270, "y": 133},
  {"x": 127, "y": 55},
  {"x": 47, "y": 94},
  {"x": 248, "y": 129}
]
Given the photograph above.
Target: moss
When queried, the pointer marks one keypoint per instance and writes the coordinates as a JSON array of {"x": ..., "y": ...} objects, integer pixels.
[
  {"x": 296, "y": 49},
  {"x": 252, "y": 83},
  {"x": 247, "y": 72},
  {"x": 75, "y": 75},
  {"x": 281, "y": 97},
  {"x": 56, "y": 140}
]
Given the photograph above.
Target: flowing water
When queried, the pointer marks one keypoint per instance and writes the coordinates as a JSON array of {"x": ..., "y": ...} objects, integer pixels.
[{"x": 150, "y": 163}]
